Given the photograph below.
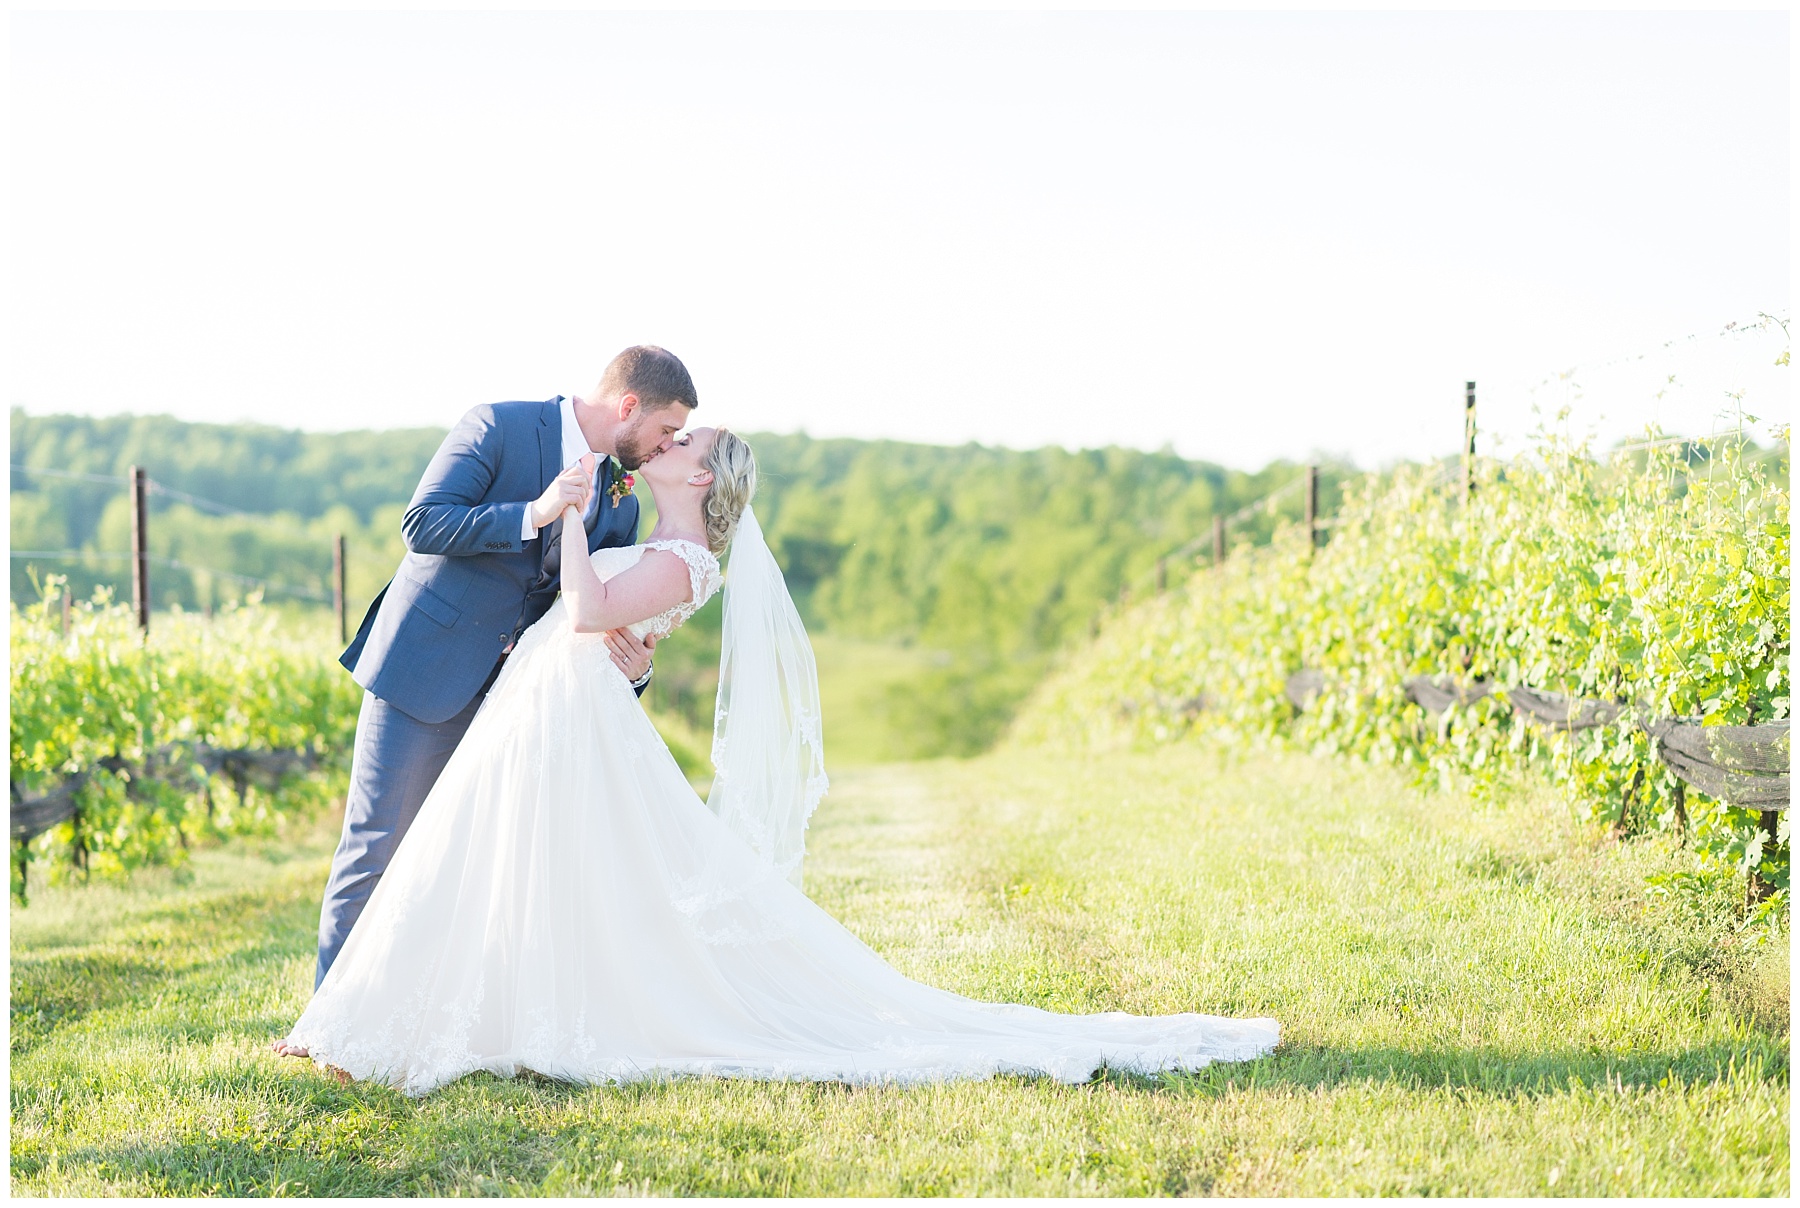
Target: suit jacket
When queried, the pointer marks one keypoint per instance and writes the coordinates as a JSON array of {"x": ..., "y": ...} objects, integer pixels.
[{"x": 469, "y": 586}]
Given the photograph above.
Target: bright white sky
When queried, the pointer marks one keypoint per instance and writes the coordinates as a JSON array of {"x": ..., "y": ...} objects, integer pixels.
[{"x": 1247, "y": 235}]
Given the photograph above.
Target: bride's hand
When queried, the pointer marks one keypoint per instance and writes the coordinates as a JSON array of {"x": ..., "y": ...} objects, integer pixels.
[
  {"x": 629, "y": 654},
  {"x": 567, "y": 490}
]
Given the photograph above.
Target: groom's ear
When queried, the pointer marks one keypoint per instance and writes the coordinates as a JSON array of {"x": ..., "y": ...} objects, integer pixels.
[{"x": 628, "y": 405}]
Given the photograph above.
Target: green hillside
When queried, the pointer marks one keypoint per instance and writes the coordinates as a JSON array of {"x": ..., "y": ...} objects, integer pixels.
[{"x": 939, "y": 580}]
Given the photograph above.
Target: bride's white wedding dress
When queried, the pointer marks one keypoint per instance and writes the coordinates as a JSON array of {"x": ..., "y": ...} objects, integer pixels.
[{"x": 565, "y": 903}]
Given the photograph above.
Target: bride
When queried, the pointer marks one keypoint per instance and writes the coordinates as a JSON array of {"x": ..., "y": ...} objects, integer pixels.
[{"x": 565, "y": 903}]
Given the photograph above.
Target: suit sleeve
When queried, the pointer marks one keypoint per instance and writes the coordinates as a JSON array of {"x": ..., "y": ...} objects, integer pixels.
[{"x": 446, "y": 515}]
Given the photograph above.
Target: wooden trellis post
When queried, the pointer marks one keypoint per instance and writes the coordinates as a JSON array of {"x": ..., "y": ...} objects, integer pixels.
[
  {"x": 140, "y": 549},
  {"x": 1218, "y": 540},
  {"x": 1312, "y": 506},
  {"x": 1469, "y": 440},
  {"x": 337, "y": 589}
]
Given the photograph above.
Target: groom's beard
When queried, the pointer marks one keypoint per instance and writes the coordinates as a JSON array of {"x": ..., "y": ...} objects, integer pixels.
[{"x": 639, "y": 444}]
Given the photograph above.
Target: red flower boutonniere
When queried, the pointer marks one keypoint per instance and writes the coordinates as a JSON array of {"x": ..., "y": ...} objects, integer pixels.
[{"x": 621, "y": 487}]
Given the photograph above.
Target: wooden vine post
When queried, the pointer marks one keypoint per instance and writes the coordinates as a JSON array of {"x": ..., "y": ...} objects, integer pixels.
[
  {"x": 1468, "y": 439},
  {"x": 1312, "y": 507},
  {"x": 337, "y": 589},
  {"x": 140, "y": 549},
  {"x": 1218, "y": 540},
  {"x": 1758, "y": 890}
]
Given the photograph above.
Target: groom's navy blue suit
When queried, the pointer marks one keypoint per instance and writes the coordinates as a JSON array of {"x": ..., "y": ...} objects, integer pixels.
[{"x": 432, "y": 641}]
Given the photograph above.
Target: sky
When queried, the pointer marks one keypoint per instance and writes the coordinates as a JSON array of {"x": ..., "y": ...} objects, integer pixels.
[{"x": 1245, "y": 236}]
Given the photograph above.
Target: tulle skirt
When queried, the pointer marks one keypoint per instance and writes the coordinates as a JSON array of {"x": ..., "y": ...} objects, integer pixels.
[{"x": 565, "y": 903}]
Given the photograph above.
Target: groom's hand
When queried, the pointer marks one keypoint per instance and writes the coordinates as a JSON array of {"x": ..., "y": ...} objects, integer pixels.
[
  {"x": 631, "y": 655},
  {"x": 568, "y": 489}
]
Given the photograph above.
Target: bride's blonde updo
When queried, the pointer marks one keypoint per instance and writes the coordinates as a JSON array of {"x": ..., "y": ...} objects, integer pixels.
[{"x": 733, "y": 468}]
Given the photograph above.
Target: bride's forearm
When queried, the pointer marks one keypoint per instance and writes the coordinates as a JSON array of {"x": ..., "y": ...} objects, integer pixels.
[
  {"x": 584, "y": 595},
  {"x": 636, "y": 595}
]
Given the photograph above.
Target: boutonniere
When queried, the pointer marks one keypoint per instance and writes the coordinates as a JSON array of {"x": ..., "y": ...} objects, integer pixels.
[{"x": 621, "y": 487}]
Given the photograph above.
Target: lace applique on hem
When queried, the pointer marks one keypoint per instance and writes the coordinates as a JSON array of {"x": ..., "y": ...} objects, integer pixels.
[{"x": 896, "y": 1062}]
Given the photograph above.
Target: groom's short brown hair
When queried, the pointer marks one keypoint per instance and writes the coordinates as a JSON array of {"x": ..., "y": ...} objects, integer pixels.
[{"x": 654, "y": 374}]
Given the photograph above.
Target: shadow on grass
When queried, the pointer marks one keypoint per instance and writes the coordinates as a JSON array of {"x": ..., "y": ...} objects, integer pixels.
[
  {"x": 256, "y": 1129},
  {"x": 49, "y": 994},
  {"x": 1483, "y": 1071},
  {"x": 217, "y": 1166},
  {"x": 59, "y": 988},
  {"x": 1486, "y": 1071},
  {"x": 296, "y": 1132}
]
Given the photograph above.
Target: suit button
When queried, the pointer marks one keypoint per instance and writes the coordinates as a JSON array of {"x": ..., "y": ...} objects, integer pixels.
[{"x": 503, "y": 639}]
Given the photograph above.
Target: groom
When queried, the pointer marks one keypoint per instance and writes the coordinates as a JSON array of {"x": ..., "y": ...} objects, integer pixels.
[{"x": 483, "y": 551}]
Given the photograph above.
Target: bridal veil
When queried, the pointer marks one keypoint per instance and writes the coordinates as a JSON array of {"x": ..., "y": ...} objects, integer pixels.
[{"x": 768, "y": 749}]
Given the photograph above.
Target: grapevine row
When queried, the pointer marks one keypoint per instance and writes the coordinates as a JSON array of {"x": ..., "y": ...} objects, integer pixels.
[
  {"x": 126, "y": 749},
  {"x": 1655, "y": 580}
]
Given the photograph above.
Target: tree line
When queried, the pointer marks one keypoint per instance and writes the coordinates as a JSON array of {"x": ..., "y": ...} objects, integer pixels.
[{"x": 989, "y": 558}]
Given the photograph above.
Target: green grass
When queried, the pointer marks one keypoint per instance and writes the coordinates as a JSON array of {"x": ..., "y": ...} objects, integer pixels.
[
  {"x": 856, "y": 681},
  {"x": 1475, "y": 1000},
  {"x": 859, "y": 681}
]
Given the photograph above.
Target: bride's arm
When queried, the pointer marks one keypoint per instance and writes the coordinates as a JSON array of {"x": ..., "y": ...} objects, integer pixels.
[{"x": 653, "y": 586}]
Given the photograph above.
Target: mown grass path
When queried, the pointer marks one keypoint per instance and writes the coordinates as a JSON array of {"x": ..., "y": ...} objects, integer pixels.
[{"x": 1475, "y": 1000}]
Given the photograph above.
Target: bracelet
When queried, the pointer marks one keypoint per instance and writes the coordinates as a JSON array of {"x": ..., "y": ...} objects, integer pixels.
[{"x": 644, "y": 679}]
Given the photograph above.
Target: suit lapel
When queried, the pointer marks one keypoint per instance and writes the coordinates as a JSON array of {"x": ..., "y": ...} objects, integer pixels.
[{"x": 550, "y": 459}]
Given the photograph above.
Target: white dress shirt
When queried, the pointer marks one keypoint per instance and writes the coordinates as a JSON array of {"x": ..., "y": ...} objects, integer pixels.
[{"x": 574, "y": 448}]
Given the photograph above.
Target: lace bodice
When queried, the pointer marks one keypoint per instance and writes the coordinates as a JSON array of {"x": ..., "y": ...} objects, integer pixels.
[{"x": 703, "y": 575}]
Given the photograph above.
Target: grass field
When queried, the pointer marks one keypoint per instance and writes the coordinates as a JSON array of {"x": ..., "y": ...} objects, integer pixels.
[
  {"x": 858, "y": 680},
  {"x": 1474, "y": 1000}
]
